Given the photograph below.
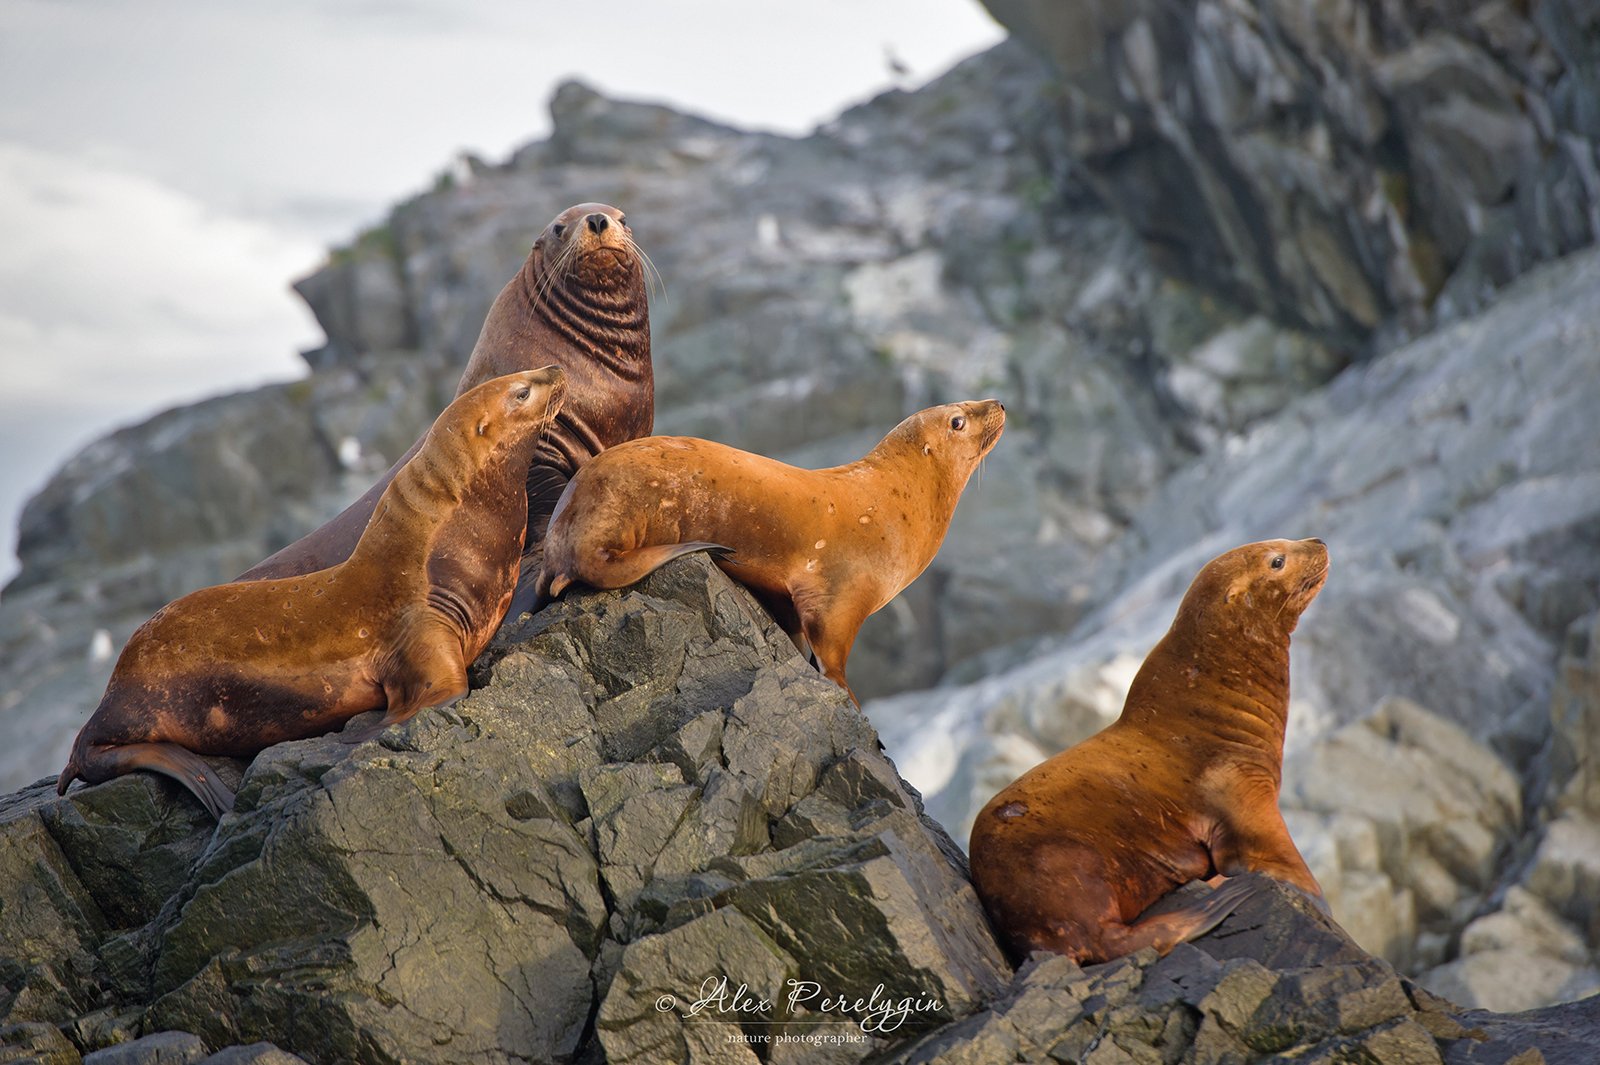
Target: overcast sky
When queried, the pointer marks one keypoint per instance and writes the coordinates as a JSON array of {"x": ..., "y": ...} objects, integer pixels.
[{"x": 167, "y": 167}]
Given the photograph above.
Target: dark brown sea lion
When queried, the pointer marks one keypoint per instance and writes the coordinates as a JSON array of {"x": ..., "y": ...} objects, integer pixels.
[
  {"x": 233, "y": 669},
  {"x": 1183, "y": 786},
  {"x": 579, "y": 302},
  {"x": 821, "y": 549}
]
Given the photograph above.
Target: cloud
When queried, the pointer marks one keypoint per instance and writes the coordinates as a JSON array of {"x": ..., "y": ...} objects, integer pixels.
[{"x": 119, "y": 297}]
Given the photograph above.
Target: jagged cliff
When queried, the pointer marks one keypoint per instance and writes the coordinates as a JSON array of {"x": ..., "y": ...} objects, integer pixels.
[{"x": 1194, "y": 311}]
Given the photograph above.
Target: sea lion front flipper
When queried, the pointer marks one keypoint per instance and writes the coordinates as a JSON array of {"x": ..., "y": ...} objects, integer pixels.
[
  {"x": 431, "y": 673},
  {"x": 829, "y": 624},
  {"x": 1254, "y": 839},
  {"x": 104, "y": 761}
]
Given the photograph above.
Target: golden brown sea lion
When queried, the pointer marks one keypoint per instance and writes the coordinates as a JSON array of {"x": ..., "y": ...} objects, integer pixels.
[
  {"x": 821, "y": 549},
  {"x": 579, "y": 302},
  {"x": 233, "y": 669},
  {"x": 1183, "y": 786}
]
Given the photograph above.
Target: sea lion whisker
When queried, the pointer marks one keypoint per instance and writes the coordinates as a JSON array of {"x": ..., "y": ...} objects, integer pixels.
[
  {"x": 653, "y": 276},
  {"x": 553, "y": 271}
]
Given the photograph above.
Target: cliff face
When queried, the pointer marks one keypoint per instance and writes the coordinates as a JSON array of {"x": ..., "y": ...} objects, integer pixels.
[
  {"x": 1169, "y": 399},
  {"x": 650, "y": 834},
  {"x": 1353, "y": 168}
]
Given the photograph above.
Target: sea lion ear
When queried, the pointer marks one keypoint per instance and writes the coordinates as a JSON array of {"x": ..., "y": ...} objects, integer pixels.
[
  {"x": 1237, "y": 587},
  {"x": 483, "y": 426}
]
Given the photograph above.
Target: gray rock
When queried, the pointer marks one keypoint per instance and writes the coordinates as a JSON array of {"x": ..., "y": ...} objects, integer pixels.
[
  {"x": 36, "y": 1043},
  {"x": 1347, "y": 168},
  {"x": 1443, "y": 813},
  {"x": 1275, "y": 978},
  {"x": 254, "y": 1054},
  {"x": 1575, "y": 723},
  {"x": 159, "y": 1048}
]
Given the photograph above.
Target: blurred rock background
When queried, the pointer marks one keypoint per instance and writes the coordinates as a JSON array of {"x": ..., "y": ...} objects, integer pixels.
[{"x": 1239, "y": 270}]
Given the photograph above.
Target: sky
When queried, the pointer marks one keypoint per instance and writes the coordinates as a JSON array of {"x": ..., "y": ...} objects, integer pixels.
[{"x": 167, "y": 168}]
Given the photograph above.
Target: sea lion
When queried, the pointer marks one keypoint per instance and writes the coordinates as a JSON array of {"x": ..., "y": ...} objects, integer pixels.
[
  {"x": 1183, "y": 786},
  {"x": 579, "y": 302},
  {"x": 821, "y": 549},
  {"x": 233, "y": 669}
]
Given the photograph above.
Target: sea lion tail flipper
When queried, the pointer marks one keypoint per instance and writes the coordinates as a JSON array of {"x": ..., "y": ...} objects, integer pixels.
[
  {"x": 621, "y": 568},
  {"x": 104, "y": 761}
]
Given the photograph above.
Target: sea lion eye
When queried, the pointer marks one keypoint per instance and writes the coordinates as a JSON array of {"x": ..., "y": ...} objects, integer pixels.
[
  {"x": 958, "y": 423},
  {"x": 622, "y": 220},
  {"x": 1278, "y": 561},
  {"x": 524, "y": 392},
  {"x": 558, "y": 228}
]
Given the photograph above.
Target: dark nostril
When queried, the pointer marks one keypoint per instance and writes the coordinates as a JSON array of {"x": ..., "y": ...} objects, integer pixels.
[
  {"x": 1002, "y": 406},
  {"x": 598, "y": 222}
]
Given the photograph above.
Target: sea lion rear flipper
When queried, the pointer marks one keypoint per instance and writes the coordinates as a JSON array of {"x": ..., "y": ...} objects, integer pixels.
[
  {"x": 104, "y": 761},
  {"x": 622, "y": 568},
  {"x": 1170, "y": 922}
]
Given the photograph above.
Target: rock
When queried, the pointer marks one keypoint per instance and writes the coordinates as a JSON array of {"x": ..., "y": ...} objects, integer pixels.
[
  {"x": 159, "y": 1048},
  {"x": 1565, "y": 872},
  {"x": 1275, "y": 978},
  {"x": 1575, "y": 723},
  {"x": 255, "y": 1054},
  {"x": 36, "y": 1042},
  {"x": 647, "y": 791},
  {"x": 1443, "y": 812},
  {"x": 651, "y": 831},
  {"x": 1430, "y": 157}
]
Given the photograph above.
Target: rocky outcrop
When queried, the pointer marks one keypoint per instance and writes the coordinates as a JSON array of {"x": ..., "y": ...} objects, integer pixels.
[
  {"x": 645, "y": 791},
  {"x": 1345, "y": 167},
  {"x": 650, "y": 833}
]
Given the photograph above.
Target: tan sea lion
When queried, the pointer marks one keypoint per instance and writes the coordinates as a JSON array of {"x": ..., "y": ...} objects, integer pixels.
[
  {"x": 821, "y": 549},
  {"x": 579, "y": 302},
  {"x": 1183, "y": 786},
  {"x": 233, "y": 669}
]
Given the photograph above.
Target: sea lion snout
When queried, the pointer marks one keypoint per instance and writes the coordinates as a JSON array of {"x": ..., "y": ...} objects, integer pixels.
[
  {"x": 992, "y": 416},
  {"x": 597, "y": 222}
]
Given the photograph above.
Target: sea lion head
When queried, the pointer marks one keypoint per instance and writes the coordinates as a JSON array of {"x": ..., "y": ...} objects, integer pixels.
[
  {"x": 1259, "y": 589},
  {"x": 958, "y": 435},
  {"x": 506, "y": 411},
  {"x": 588, "y": 246}
]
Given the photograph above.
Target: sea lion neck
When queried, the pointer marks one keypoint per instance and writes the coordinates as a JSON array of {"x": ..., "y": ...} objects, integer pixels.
[
  {"x": 1221, "y": 686},
  {"x": 900, "y": 457},
  {"x": 603, "y": 314},
  {"x": 431, "y": 483}
]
